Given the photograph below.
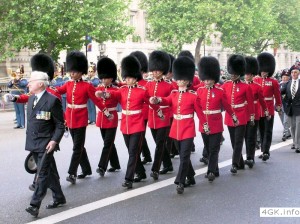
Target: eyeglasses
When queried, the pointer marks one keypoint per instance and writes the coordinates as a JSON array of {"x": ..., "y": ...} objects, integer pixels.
[{"x": 91, "y": 71}]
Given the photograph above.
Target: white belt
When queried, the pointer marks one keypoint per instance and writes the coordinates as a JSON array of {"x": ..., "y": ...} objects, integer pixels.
[
  {"x": 112, "y": 109},
  {"x": 180, "y": 116},
  {"x": 268, "y": 98},
  {"x": 212, "y": 111},
  {"x": 255, "y": 101},
  {"x": 130, "y": 112},
  {"x": 161, "y": 107},
  {"x": 77, "y": 106},
  {"x": 238, "y": 105}
]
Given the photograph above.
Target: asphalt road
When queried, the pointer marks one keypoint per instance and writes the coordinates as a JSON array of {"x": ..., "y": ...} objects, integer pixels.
[{"x": 229, "y": 199}]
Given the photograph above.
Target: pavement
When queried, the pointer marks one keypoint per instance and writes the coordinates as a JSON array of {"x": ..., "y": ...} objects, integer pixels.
[{"x": 229, "y": 199}]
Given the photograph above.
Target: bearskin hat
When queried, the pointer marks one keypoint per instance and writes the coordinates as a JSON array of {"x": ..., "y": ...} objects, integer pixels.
[
  {"x": 42, "y": 63},
  {"x": 186, "y": 54},
  {"x": 266, "y": 62},
  {"x": 172, "y": 58},
  {"x": 209, "y": 69},
  {"x": 131, "y": 67},
  {"x": 159, "y": 61},
  {"x": 251, "y": 65},
  {"x": 77, "y": 62},
  {"x": 106, "y": 68},
  {"x": 142, "y": 58},
  {"x": 236, "y": 65},
  {"x": 183, "y": 69}
]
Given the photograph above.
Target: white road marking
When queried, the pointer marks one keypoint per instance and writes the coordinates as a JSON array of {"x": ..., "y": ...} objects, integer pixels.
[{"x": 131, "y": 194}]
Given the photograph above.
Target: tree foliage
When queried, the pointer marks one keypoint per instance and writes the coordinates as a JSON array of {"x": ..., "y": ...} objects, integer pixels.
[
  {"x": 174, "y": 23},
  {"x": 52, "y": 26}
]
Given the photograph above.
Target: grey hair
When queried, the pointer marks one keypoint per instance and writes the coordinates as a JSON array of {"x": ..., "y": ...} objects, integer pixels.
[{"x": 41, "y": 76}]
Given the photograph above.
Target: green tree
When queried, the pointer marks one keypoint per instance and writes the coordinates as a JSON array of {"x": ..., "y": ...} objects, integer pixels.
[
  {"x": 251, "y": 26},
  {"x": 52, "y": 26},
  {"x": 174, "y": 23}
]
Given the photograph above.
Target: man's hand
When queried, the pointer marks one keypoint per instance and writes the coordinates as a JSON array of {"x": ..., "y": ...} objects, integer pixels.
[
  {"x": 51, "y": 146},
  {"x": 235, "y": 120},
  {"x": 252, "y": 120},
  {"x": 160, "y": 114},
  {"x": 267, "y": 114},
  {"x": 108, "y": 115},
  {"x": 154, "y": 100},
  {"x": 9, "y": 97},
  {"x": 102, "y": 94},
  {"x": 206, "y": 128}
]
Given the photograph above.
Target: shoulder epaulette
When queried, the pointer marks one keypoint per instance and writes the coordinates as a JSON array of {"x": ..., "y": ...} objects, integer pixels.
[
  {"x": 192, "y": 91},
  {"x": 141, "y": 87}
]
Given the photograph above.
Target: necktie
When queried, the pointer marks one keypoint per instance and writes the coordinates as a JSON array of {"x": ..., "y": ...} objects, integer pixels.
[
  {"x": 294, "y": 89},
  {"x": 35, "y": 101}
]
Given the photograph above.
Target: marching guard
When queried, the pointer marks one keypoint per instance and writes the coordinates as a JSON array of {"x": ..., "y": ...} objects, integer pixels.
[
  {"x": 107, "y": 72},
  {"x": 238, "y": 93},
  {"x": 271, "y": 90}
]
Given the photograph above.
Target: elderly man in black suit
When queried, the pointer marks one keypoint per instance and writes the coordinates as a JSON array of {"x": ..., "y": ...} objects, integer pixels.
[
  {"x": 45, "y": 128},
  {"x": 292, "y": 91}
]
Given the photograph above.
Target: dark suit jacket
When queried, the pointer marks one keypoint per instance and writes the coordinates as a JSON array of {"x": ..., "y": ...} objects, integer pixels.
[
  {"x": 45, "y": 122},
  {"x": 293, "y": 105}
]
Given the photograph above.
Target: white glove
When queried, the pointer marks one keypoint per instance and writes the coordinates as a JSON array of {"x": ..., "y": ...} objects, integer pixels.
[{"x": 9, "y": 97}]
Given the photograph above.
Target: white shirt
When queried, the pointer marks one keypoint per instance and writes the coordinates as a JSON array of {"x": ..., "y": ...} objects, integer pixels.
[{"x": 39, "y": 95}]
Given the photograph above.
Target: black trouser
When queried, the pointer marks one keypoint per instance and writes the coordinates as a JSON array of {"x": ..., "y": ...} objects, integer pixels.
[
  {"x": 159, "y": 136},
  {"x": 205, "y": 152},
  {"x": 79, "y": 156},
  {"x": 237, "y": 135},
  {"x": 250, "y": 139},
  {"x": 145, "y": 149},
  {"x": 266, "y": 132},
  {"x": 109, "y": 151},
  {"x": 170, "y": 146},
  {"x": 46, "y": 178},
  {"x": 185, "y": 167},
  {"x": 212, "y": 146},
  {"x": 134, "y": 145}
]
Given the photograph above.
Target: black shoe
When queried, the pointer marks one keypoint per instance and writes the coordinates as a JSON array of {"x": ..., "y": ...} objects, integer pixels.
[
  {"x": 211, "y": 177},
  {"x": 83, "y": 175},
  {"x": 204, "y": 160},
  {"x": 233, "y": 169},
  {"x": 146, "y": 160},
  {"x": 154, "y": 175},
  {"x": 297, "y": 150},
  {"x": 71, "y": 179},
  {"x": 17, "y": 127},
  {"x": 180, "y": 188},
  {"x": 91, "y": 122},
  {"x": 293, "y": 147},
  {"x": 241, "y": 167},
  {"x": 166, "y": 170},
  {"x": 139, "y": 177},
  {"x": 249, "y": 163},
  {"x": 127, "y": 184},
  {"x": 112, "y": 169},
  {"x": 288, "y": 136},
  {"x": 172, "y": 156},
  {"x": 34, "y": 211},
  {"x": 56, "y": 204},
  {"x": 283, "y": 138},
  {"x": 32, "y": 187},
  {"x": 101, "y": 171},
  {"x": 261, "y": 156},
  {"x": 265, "y": 157},
  {"x": 189, "y": 181}
]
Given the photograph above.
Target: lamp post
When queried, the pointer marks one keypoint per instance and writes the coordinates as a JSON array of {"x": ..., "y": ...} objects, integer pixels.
[{"x": 102, "y": 49}]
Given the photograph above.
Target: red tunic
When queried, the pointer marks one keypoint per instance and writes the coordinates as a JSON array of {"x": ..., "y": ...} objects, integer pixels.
[
  {"x": 183, "y": 107},
  {"x": 111, "y": 104},
  {"x": 258, "y": 99},
  {"x": 145, "y": 111},
  {"x": 132, "y": 99},
  {"x": 159, "y": 88},
  {"x": 211, "y": 101},
  {"x": 78, "y": 93},
  {"x": 239, "y": 96},
  {"x": 271, "y": 90}
]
